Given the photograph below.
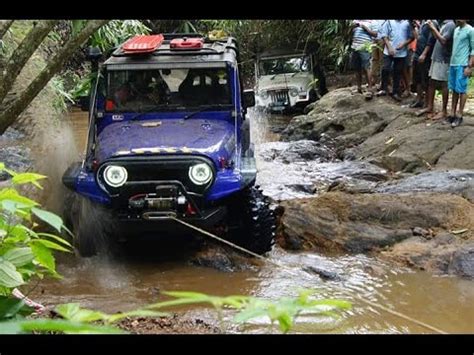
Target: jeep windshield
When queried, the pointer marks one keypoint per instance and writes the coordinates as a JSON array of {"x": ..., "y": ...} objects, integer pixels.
[
  {"x": 167, "y": 90},
  {"x": 287, "y": 65}
]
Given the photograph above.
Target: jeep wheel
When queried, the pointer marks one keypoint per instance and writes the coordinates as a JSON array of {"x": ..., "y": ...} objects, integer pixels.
[
  {"x": 92, "y": 227},
  {"x": 251, "y": 221}
]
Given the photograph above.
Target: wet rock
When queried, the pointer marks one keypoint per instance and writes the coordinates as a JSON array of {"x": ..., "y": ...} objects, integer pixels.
[
  {"x": 369, "y": 222},
  {"x": 10, "y": 135},
  {"x": 444, "y": 254},
  {"x": 299, "y": 151},
  {"x": 222, "y": 259},
  {"x": 16, "y": 158},
  {"x": 283, "y": 181},
  {"x": 456, "y": 181},
  {"x": 324, "y": 274},
  {"x": 462, "y": 263}
]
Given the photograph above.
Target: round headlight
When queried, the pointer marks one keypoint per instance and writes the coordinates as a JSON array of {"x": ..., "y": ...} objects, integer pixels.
[
  {"x": 264, "y": 94},
  {"x": 115, "y": 176},
  {"x": 293, "y": 92},
  {"x": 200, "y": 174}
]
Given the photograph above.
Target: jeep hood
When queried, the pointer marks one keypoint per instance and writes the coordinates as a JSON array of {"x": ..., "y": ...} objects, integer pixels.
[
  {"x": 285, "y": 81},
  {"x": 213, "y": 138}
]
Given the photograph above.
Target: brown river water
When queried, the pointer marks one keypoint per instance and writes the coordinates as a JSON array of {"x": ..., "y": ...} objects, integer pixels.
[{"x": 134, "y": 280}]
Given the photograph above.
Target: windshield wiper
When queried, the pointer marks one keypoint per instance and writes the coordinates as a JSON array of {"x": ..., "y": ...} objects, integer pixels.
[{"x": 209, "y": 107}]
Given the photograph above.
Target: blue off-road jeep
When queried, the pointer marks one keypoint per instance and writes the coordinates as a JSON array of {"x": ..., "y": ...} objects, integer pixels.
[{"x": 169, "y": 140}]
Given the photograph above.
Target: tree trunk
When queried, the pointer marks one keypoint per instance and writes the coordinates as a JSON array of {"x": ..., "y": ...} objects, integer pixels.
[
  {"x": 4, "y": 26},
  {"x": 10, "y": 113},
  {"x": 22, "y": 53}
]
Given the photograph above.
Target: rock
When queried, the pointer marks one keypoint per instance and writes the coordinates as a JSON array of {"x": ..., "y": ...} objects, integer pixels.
[
  {"x": 456, "y": 181},
  {"x": 462, "y": 263},
  {"x": 339, "y": 114},
  {"x": 16, "y": 158},
  {"x": 221, "y": 258},
  {"x": 413, "y": 147},
  {"x": 457, "y": 157},
  {"x": 383, "y": 133},
  {"x": 417, "y": 231},
  {"x": 299, "y": 151},
  {"x": 324, "y": 274},
  {"x": 445, "y": 254},
  {"x": 369, "y": 222}
]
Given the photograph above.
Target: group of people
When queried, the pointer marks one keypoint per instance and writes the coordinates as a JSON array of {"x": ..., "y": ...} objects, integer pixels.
[{"x": 416, "y": 55}]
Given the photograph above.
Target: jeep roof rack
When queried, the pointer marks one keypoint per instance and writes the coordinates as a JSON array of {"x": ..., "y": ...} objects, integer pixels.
[{"x": 214, "y": 46}]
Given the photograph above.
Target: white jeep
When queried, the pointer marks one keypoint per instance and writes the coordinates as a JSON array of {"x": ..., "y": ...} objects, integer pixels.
[{"x": 287, "y": 80}]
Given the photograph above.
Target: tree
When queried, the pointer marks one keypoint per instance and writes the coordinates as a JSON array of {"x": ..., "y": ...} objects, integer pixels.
[{"x": 10, "y": 110}]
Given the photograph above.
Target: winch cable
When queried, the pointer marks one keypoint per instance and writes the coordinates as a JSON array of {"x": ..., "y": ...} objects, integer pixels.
[{"x": 289, "y": 270}]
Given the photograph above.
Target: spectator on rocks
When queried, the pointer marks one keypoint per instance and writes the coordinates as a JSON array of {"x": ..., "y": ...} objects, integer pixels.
[
  {"x": 422, "y": 62},
  {"x": 460, "y": 69},
  {"x": 363, "y": 33},
  {"x": 377, "y": 53},
  {"x": 439, "y": 67},
  {"x": 397, "y": 34},
  {"x": 407, "y": 77}
]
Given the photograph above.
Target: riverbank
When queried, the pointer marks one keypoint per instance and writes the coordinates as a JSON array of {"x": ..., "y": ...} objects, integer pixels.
[{"x": 384, "y": 181}]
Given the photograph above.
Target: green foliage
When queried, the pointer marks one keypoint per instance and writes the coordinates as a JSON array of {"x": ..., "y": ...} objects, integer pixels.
[
  {"x": 332, "y": 38},
  {"x": 24, "y": 253},
  {"x": 283, "y": 311},
  {"x": 116, "y": 32}
]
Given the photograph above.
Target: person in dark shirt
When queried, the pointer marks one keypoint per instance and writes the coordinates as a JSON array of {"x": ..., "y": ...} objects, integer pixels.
[
  {"x": 440, "y": 67},
  {"x": 422, "y": 63}
]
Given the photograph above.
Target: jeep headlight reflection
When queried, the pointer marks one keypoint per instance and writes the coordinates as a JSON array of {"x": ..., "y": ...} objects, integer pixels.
[
  {"x": 115, "y": 176},
  {"x": 200, "y": 174}
]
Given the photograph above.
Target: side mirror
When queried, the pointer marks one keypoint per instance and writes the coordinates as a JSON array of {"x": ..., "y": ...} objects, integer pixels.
[
  {"x": 249, "y": 98},
  {"x": 84, "y": 102}
]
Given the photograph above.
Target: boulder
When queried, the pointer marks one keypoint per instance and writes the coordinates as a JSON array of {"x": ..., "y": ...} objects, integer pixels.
[
  {"x": 455, "y": 181},
  {"x": 342, "y": 115},
  {"x": 370, "y": 222},
  {"x": 414, "y": 147}
]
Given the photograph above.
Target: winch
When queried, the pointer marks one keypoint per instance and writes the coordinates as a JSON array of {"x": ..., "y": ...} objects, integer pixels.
[{"x": 166, "y": 198}]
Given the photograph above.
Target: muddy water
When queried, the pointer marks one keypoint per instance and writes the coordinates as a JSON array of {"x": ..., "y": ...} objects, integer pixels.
[{"x": 132, "y": 280}]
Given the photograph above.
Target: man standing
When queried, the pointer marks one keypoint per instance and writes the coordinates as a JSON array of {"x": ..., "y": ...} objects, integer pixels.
[
  {"x": 462, "y": 61},
  {"x": 397, "y": 35},
  {"x": 361, "y": 48},
  {"x": 440, "y": 66},
  {"x": 422, "y": 63}
]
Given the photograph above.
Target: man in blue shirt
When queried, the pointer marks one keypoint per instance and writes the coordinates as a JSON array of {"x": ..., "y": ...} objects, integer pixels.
[
  {"x": 396, "y": 34},
  {"x": 460, "y": 69}
]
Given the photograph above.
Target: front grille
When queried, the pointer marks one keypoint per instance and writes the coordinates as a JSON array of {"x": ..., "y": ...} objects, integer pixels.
[
  {"x": 145, "y": 173},
  {"x": 279, "y": 96}
]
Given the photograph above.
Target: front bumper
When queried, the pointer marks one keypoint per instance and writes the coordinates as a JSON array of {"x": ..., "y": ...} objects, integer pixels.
[{"x": 281, "y": 101}]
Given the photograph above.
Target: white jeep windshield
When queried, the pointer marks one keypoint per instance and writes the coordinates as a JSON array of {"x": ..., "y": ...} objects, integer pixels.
[
  {"x": 285, "y": 65},
  {"x": 167, "y": 89}
]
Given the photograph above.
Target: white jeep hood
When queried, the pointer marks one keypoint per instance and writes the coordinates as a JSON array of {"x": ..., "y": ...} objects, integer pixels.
[{"x": 300, "y": 81}]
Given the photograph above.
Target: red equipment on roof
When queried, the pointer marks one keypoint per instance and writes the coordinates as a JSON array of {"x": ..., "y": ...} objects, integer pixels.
[
  {"x": 186, "y": 43},
  {"x": 143, "y": 44}
]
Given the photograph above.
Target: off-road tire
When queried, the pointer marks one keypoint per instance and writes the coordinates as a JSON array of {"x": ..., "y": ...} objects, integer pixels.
[{"x": 251, "y": 221}]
